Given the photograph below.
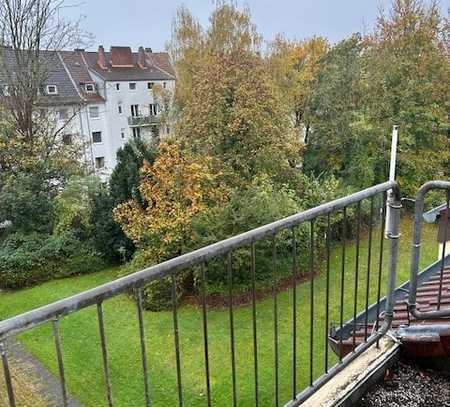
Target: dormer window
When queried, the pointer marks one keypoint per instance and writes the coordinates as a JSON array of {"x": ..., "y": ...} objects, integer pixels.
[
  {"x": 52, "y": 90},
  {"x": 89, "y": 87}
]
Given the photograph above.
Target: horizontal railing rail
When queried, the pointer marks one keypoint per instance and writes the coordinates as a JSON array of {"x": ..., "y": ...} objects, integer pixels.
[
  {"x": 226, "y": 249},
  {"x": 416, "y": 245}
]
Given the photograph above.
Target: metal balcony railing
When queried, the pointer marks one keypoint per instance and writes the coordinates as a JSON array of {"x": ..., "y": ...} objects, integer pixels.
[
  {"x": 316, "y": 223},
  {"x": 143, "y": 121},
  {"x": 415, "y": 256}
]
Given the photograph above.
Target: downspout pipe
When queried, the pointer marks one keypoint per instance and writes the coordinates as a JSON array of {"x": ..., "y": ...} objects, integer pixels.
[{"x": 415, "y": 252}]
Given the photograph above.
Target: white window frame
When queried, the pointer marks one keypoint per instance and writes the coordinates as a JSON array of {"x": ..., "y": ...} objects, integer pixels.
[
  {"x": 98, "y": 112},
  {"x": 132, "y": 83},
  {"x": 50, "y": 87},
  {"x": 101, "y": 137},
  {"x": 89, "y": 87},
  {"x": 104, "y": 163}
]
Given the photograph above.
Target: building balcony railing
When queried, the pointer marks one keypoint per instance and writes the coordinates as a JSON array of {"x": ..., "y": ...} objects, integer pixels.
[{"x": 143, "y": 121}]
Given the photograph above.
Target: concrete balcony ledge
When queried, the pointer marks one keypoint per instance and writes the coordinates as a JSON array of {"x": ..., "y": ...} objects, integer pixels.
[
  {"x": 142, "y": 121},
  {"x": 347, "y": 387}
]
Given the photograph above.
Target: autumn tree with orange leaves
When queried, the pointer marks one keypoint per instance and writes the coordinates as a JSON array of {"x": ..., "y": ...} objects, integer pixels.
[{"x": 175, "y": 188}]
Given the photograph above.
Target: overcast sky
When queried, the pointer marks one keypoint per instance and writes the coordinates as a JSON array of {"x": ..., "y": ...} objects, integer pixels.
[{"x": 148, "y": 22}]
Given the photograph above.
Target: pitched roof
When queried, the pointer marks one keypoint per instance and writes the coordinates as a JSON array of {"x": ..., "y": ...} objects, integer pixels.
[
  {"x": 76, "y": 65},
  {"x": 122, "y": 65},
  {"x": 56, "y": 74}
]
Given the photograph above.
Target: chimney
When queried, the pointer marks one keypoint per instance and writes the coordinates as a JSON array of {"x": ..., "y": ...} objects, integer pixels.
[
  {"x": 141, "y": 58},
  {"x": 101, "y": 57}
]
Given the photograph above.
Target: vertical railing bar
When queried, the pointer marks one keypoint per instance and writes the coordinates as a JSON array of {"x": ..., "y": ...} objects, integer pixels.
[
  {"x": 56, "y": 334},
  {"x": 7, "y": 374},
  {"x": 140, "y": 310},
  {"x": 341, "y": 305},
  {"x": 176, "y": 339},
  {"x": 104, "y": 353},
  {"x": 232, "y": 344},
  {"x": 311, "y": 322},
  {"x": 255, "y": 338},
  {"x": 327, "y": 291},
  {"x": 444, "y": 249},
  {"x": 275, "y": 318},
  {"x": 205, "y": 335},
  {"x": 380, "y": 262},
  {"x": 355, "y": 301},
  {"x": 369, "y": 265},
  {"x": 294, "y": 314}
]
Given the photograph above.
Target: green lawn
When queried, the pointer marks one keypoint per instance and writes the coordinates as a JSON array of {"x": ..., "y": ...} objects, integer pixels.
[{"x": 81, "y": 345}]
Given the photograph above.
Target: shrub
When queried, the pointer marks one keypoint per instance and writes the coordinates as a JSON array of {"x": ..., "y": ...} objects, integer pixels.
[
  {"x": 107, "y": 236},
  {"x": 28, "y": 259},
  {"x": 157, "y": 295},
  {"x": 259, "y": 204}
]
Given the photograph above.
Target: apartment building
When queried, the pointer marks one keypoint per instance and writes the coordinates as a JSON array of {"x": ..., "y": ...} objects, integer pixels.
[{"x": 105, "y": 98}]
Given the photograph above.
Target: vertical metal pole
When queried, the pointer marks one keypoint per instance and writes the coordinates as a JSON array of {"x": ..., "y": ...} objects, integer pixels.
[
  {"x": 393, "y": 235},
  {"x": 380, "y": 261},
  {"x": 341, "y": 305},
  {"x": 392, "y": 166},
  {"x": 205, "y": 335},
  {"x": 7, "y": 373},
  {"x": 355, "y": 300},
  {"x": 294, "y": 314},
  {"x": 176, "y": 340},
  {"x": 231, "y": 317},
  {"x": 255, "y": 337},
  {"x": 55, "y": 324},
  {"x": 369, "y": 264},
  {"x": 327, "y": 292},
  {"x": 275, "y": 318},
  {"x": 104, "y": 353},
  {"x": 140, "y": 310},
  {"x": 444, "y": 249},
  {"x": 311, "y": 316}
]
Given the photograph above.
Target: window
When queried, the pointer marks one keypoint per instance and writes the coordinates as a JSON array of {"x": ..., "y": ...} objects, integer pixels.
[
  {"x": 120, "y": 109},
  {"x": 136, "y": 132},
  {"x": 67, "y": 139},
  {"x": 134, "y": 110},
  {"x": 117, "y": 86},
  {"x": 150, "y": 85},
  {"x": 52, "y": 90},
  {"x": 5, "y": 90},
  {"x": 122, "y": 133},
  {"x": 164, "y": 85},
  {"x": 96, "y": 136},
  {"x": 99, "y": 162},
  {"x": 153, "y": 109},
  {"x": 62, "y": 114},
  {"x": 132, "y": 85},
  {"x": 89, "y": 87},
  {"x": 94, "y": 112}
]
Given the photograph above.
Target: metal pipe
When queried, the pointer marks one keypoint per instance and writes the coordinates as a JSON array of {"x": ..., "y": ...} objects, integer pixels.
[
  {"x": 90, "y": 297},
  {"x": 415, "y": 252}
]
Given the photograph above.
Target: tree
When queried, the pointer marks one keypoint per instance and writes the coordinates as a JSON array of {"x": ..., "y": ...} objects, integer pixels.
[
  {"x": 228, "y": 107},
  {"x": 340, "y": 141},
  {"x": 175, "y": 188},
  {"x": 31, "y": 32},
  {"x": 124, "y": 180},
  {"x": 294, "y": 65},
  {"x": 408, "y": 83}
]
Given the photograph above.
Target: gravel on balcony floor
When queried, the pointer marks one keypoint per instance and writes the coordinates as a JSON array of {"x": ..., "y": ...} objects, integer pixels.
[{"x": 407, "y": 385}]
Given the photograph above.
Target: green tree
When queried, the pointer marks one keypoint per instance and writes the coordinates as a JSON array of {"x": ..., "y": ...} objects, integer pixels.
[
  {"x": 229, "y": 107},
  {"x": 408, "y": 84}
]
